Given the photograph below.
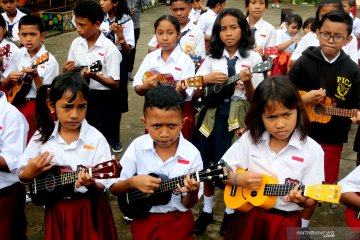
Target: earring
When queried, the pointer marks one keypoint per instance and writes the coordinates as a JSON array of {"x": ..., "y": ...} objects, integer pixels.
[{"x": 52, "y": 111}]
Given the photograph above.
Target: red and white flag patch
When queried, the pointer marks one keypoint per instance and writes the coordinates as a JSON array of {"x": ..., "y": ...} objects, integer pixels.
[
  {"x": 299, "y": 159},
  {"x": 262, "y": 35},
  {"x": 177, "y": 68},
  {"x": 245, "y": 66},
  {"x": 183, "y": 161},
  {"x": 101, "y": 54}
]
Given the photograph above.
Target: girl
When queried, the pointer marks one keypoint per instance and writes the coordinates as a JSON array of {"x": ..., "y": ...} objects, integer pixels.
[
  {"x": 307, "y": 25},
  {"x": 69, "y": 141},
  {"x": 169, "y": 58},
  {"x": 311, "y": 39},
  {"x": 277, "y": 145},
  {"x": 285, "y": 13},
  {"x": 119, "y": 28},
  {"x": 230, "y": 52},
  {"x": 264, "y": 32},
  {"x": 7, "y": 47}
]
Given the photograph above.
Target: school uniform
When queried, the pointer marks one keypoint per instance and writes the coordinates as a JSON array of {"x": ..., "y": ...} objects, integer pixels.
[
  {"x": 194, "y": 15},
  {"x": 356, "y": 24},
  {"x": 12, "y": 49},
  {"x": 208, "y": 132},
  {"x": 282, "y": 35},
  {"x": 206, "y": 21},
  {"x": 102, "y": 98},
  {"x": 350, "y": 183},
  {"x": 298, "y": 161},
  {"x": 265, "y": 34},
  {"x": 310, "y": 39},
  {"x": 47, "y": 72},
  {"x": 13, "y": 133},
  {"x": 141, "y": 158},
  {"x": 192, "y": 41},
  {"x": 13, "y": 27},
  {"x": 84, "y": 215}
]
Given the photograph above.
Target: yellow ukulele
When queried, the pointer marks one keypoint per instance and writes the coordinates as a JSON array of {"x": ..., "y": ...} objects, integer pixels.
[
  {"x": 322, "y": 112},
  {"x": 243, "y": 199}
]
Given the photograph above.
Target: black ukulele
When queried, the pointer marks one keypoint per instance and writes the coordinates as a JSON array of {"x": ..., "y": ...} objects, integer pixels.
[
  {"x": 136, "y": 204},
  {"x": 59, "y": 181},
  {"x": 214, "y": 94}
]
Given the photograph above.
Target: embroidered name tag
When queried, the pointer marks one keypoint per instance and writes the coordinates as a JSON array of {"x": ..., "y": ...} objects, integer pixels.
[
  {"x": 101, "y": 54},
  {"x": 89, "y": 147},
  {"x": 178, "y": 69},
  {"x": 183, "y": 161},
  {"x": 190, "y": 35},
  {"x": 262, "y": 35},
  {"x": 297, "y": 159}
]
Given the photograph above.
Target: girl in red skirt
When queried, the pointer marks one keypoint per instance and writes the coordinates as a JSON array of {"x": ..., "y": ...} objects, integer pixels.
[
  {"x": 70, "y": 141},
  {"x": 276, "y": 145}
]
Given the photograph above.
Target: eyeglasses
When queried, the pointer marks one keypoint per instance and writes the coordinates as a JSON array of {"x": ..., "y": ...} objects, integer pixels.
[{"x": 336, "y": 38}]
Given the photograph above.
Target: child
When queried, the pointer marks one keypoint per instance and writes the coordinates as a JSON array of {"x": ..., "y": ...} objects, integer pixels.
[
  {"x": 348, "y": 6},
  {"x": 192, "y": 40},
  {"x": 275, "y": 4},
  {"x": 123, "y": 36},
  {"x": 70, "y": 141},
  {"x": 207, "y": 19},
  {"x": 32, "y": 35},
  {"x": 221, "y": 121},
  {"x": 13, "y": 133},
  {"x": 311, "y": 38},
  {"x": 162, "y": 151},
  {"x": 286, "y": 40},
  {"x": 307, "y": 25},
  {"x": 349, "y": 187},
  {"x": 319, "y": 73},
  {"x": 285, "y": 13},
  {"x": 169, "y": 58},
  {"x": 12, "y": 17},
  {"x": 276, "y": 145},
  {"x": 264, "y": 32},
  {"x": 91, "y": 46},
  {"x": 4, "y": 43},
  {"x": 197, "y": 8}
]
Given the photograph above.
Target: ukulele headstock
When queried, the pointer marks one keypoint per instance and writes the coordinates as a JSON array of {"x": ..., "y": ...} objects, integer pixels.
[
  {"x": 197, "y": 82},
  {"x": 324, "y": 192},
  {"x": 262, "y": 67},
  {"x": 213, "y": 172},
  {"x": 104, "y": 170},
  {"x": 43, "y": 58},
  {"x": 5, "y": 50}
]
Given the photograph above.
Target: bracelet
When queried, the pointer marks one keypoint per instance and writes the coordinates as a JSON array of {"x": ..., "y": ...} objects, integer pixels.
[
  {"x": 20, "y": 173},
  {"x": 235, "y": 183}
]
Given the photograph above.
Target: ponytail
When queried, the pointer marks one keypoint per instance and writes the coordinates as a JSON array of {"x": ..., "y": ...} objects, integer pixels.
[{"x": 43, "y": 121}]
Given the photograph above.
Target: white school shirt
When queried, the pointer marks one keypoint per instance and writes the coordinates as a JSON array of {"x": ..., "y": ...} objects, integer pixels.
[
  {"x": 282, "y": 35},
  {"x": 356, "y": 24},
  {"x": 13, "y": 132},
  {"x": 141, "y": 158},
  {"x": 15, "y": 22},
  {"x": 13, "y": 49},
  {"x": 178, "y": 64},
  {"x": 47, "y": 70},
  {"x": 128, "y": 31},
  {"x": 265, "y": 34},
  {"x": 299, "y": 160},
  {"x": 206, "y": 21},
  {"x": 351, "y": 183},
  {"x": 211, "y": 65},
  {"x": 194, "y": 15},
  {"x": 310, "y": 39},
  {"x": 193, "y": 42},
  {"x": 103, "y": 50},
  {"x": 90, "y": 149}
]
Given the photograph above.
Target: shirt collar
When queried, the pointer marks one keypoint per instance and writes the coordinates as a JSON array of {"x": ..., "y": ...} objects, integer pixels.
[
  {"x": 41, "y": 51},
  {"x": 211, "y": 12},
  {"x": 333, "y": 60},
  {"x": 294, "y": 139},
  {"x": 82, "y": 136},
  {"x": 173, "y": 56},
  {"x": 226, "y": 54},
  {"x": 99, "y": 42},
  {"x": 259, "y": 23}
]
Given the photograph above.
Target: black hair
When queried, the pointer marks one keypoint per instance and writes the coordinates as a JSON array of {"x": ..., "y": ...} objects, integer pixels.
[
  {"x": 285, "y": 13},
  {"x": 32, "y": 20},
  {"x": 185, "y": 1},
  {"x": 173, "y": 20},
  {"x": 213, "y": 3},
  {"x": 121, "y": 8},
  {"x": 164, "y": 97},
  {"x": 67, "y": 82},
  {"x": 338, "y": 16},
  {"x": 336, "y": 3},
  {"x": 3, "y": 25},
  {"x": 294, "y": 18},
  {"x": 308, "y": 21},
  {"x": 91, "y": 10},
  {"x": 351, "y": 2},
  {"x": 247, "y": 2},
  {"x": 246, "y": 41},
  {"x": 273, "y": 90}
]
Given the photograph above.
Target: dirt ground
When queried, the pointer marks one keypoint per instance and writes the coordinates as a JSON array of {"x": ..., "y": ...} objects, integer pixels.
[{"x": 131, "y": 127}]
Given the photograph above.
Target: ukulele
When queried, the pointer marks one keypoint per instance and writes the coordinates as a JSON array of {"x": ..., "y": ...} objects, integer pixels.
[
  {"x": 16, "y": 94},
  {"x": 243, "y": 199},
  {"x": 322, "y": 112},
  {"x": 352, "y": 217},
  {"x": 166, "y": 78},
  {"x": 214, "y": 94},
  {"x": 93, "y": 67},
  {"x": 136, "y": 204},
  {"x": 59, "y": 181}
]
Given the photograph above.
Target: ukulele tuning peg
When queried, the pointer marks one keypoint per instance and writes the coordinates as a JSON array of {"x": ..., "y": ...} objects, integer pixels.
[
  {"x": 323, "y": 182},
  {"x": 333, "y": 206},
  {"x": 101, "y": 175},
  {"x": 320, "y": 204},
  {"x": 221, "y": 176}
]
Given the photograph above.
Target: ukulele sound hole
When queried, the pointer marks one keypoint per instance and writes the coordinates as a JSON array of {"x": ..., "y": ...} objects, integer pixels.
[
  {"x": 253, "y": 193},
  {"x": 319, "y": 109},
  {"x": 50, "y": 183}
]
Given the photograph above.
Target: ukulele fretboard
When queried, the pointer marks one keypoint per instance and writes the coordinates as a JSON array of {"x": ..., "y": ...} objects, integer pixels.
[
  {"x": 341, "y": 112},
  {"x": 280, "y": 189}
]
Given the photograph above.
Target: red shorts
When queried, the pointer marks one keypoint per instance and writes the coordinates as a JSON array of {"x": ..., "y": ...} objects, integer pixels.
[
  {"x": 332, "y": 161},
  {"x": 171, "y": 225}
]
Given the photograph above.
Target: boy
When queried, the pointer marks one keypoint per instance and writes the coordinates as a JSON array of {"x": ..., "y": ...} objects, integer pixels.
[
  {"x": 12, "y": 17},
  {"x": 13, "y": 132},
  {"x": 197, "y": 8},
  {"x": 163, "y": 151},
  {"x": 32, "y": 35},
  {"x": 91, "y": 46},
  {"x": 348, "y": 6},
  {"x": 192, "y": 41},
  {"x": 326, "y": 71}
]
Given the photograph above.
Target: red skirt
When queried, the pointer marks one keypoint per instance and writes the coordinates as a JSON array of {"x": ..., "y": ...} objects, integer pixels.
[
  {"x": 258, "y": 224},
  {"x": 28, "y": 110},
  {"x": 80, "y": 218},
  {"x": 163, "y": 226}
]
